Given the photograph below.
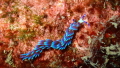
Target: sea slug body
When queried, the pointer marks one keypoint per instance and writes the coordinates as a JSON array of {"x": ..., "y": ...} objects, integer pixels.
[{"x": 58, "y": 44}]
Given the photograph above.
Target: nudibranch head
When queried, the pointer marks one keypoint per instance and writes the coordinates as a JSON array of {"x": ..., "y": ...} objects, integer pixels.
[{"x": 82, "y": 21}]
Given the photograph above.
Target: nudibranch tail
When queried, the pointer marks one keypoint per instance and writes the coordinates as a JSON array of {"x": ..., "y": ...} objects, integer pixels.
[
  {"x": 57, "y": 44},
  {"x": 42, "y": 44}
]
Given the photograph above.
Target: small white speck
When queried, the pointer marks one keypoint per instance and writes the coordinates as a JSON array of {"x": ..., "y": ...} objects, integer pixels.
[{"x": 1, "y": 11}]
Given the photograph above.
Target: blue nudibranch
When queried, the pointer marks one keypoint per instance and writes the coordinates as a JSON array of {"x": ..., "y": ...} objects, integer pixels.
[{"x": 58, "y": 44}]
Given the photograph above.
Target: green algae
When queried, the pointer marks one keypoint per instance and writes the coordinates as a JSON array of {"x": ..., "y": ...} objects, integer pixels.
[
  {"x": 56, "y": 64},
  {"x": 87, "y": 61},
  {"x": 89, "y": 40},
  {"x": 9, "y": 59},
  {"x": 115, "y": 24},
  {"x": 111, "y": 52},
  {"x": 37, "y": 19},
  {"x": 112, "y": 49},
  {"x": 8, "y": 15},
  {"x": 26, "y": 34}
]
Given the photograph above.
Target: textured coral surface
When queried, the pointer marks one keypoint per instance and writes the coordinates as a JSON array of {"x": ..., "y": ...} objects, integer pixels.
[{"x": 24, "y": 22}]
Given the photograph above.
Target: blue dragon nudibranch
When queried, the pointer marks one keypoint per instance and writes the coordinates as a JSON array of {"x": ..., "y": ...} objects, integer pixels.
[{"x": 58, "y": 44}]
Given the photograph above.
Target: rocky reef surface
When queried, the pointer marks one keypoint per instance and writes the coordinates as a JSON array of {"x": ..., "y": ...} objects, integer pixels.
[{"x": 24, "y": 22}]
